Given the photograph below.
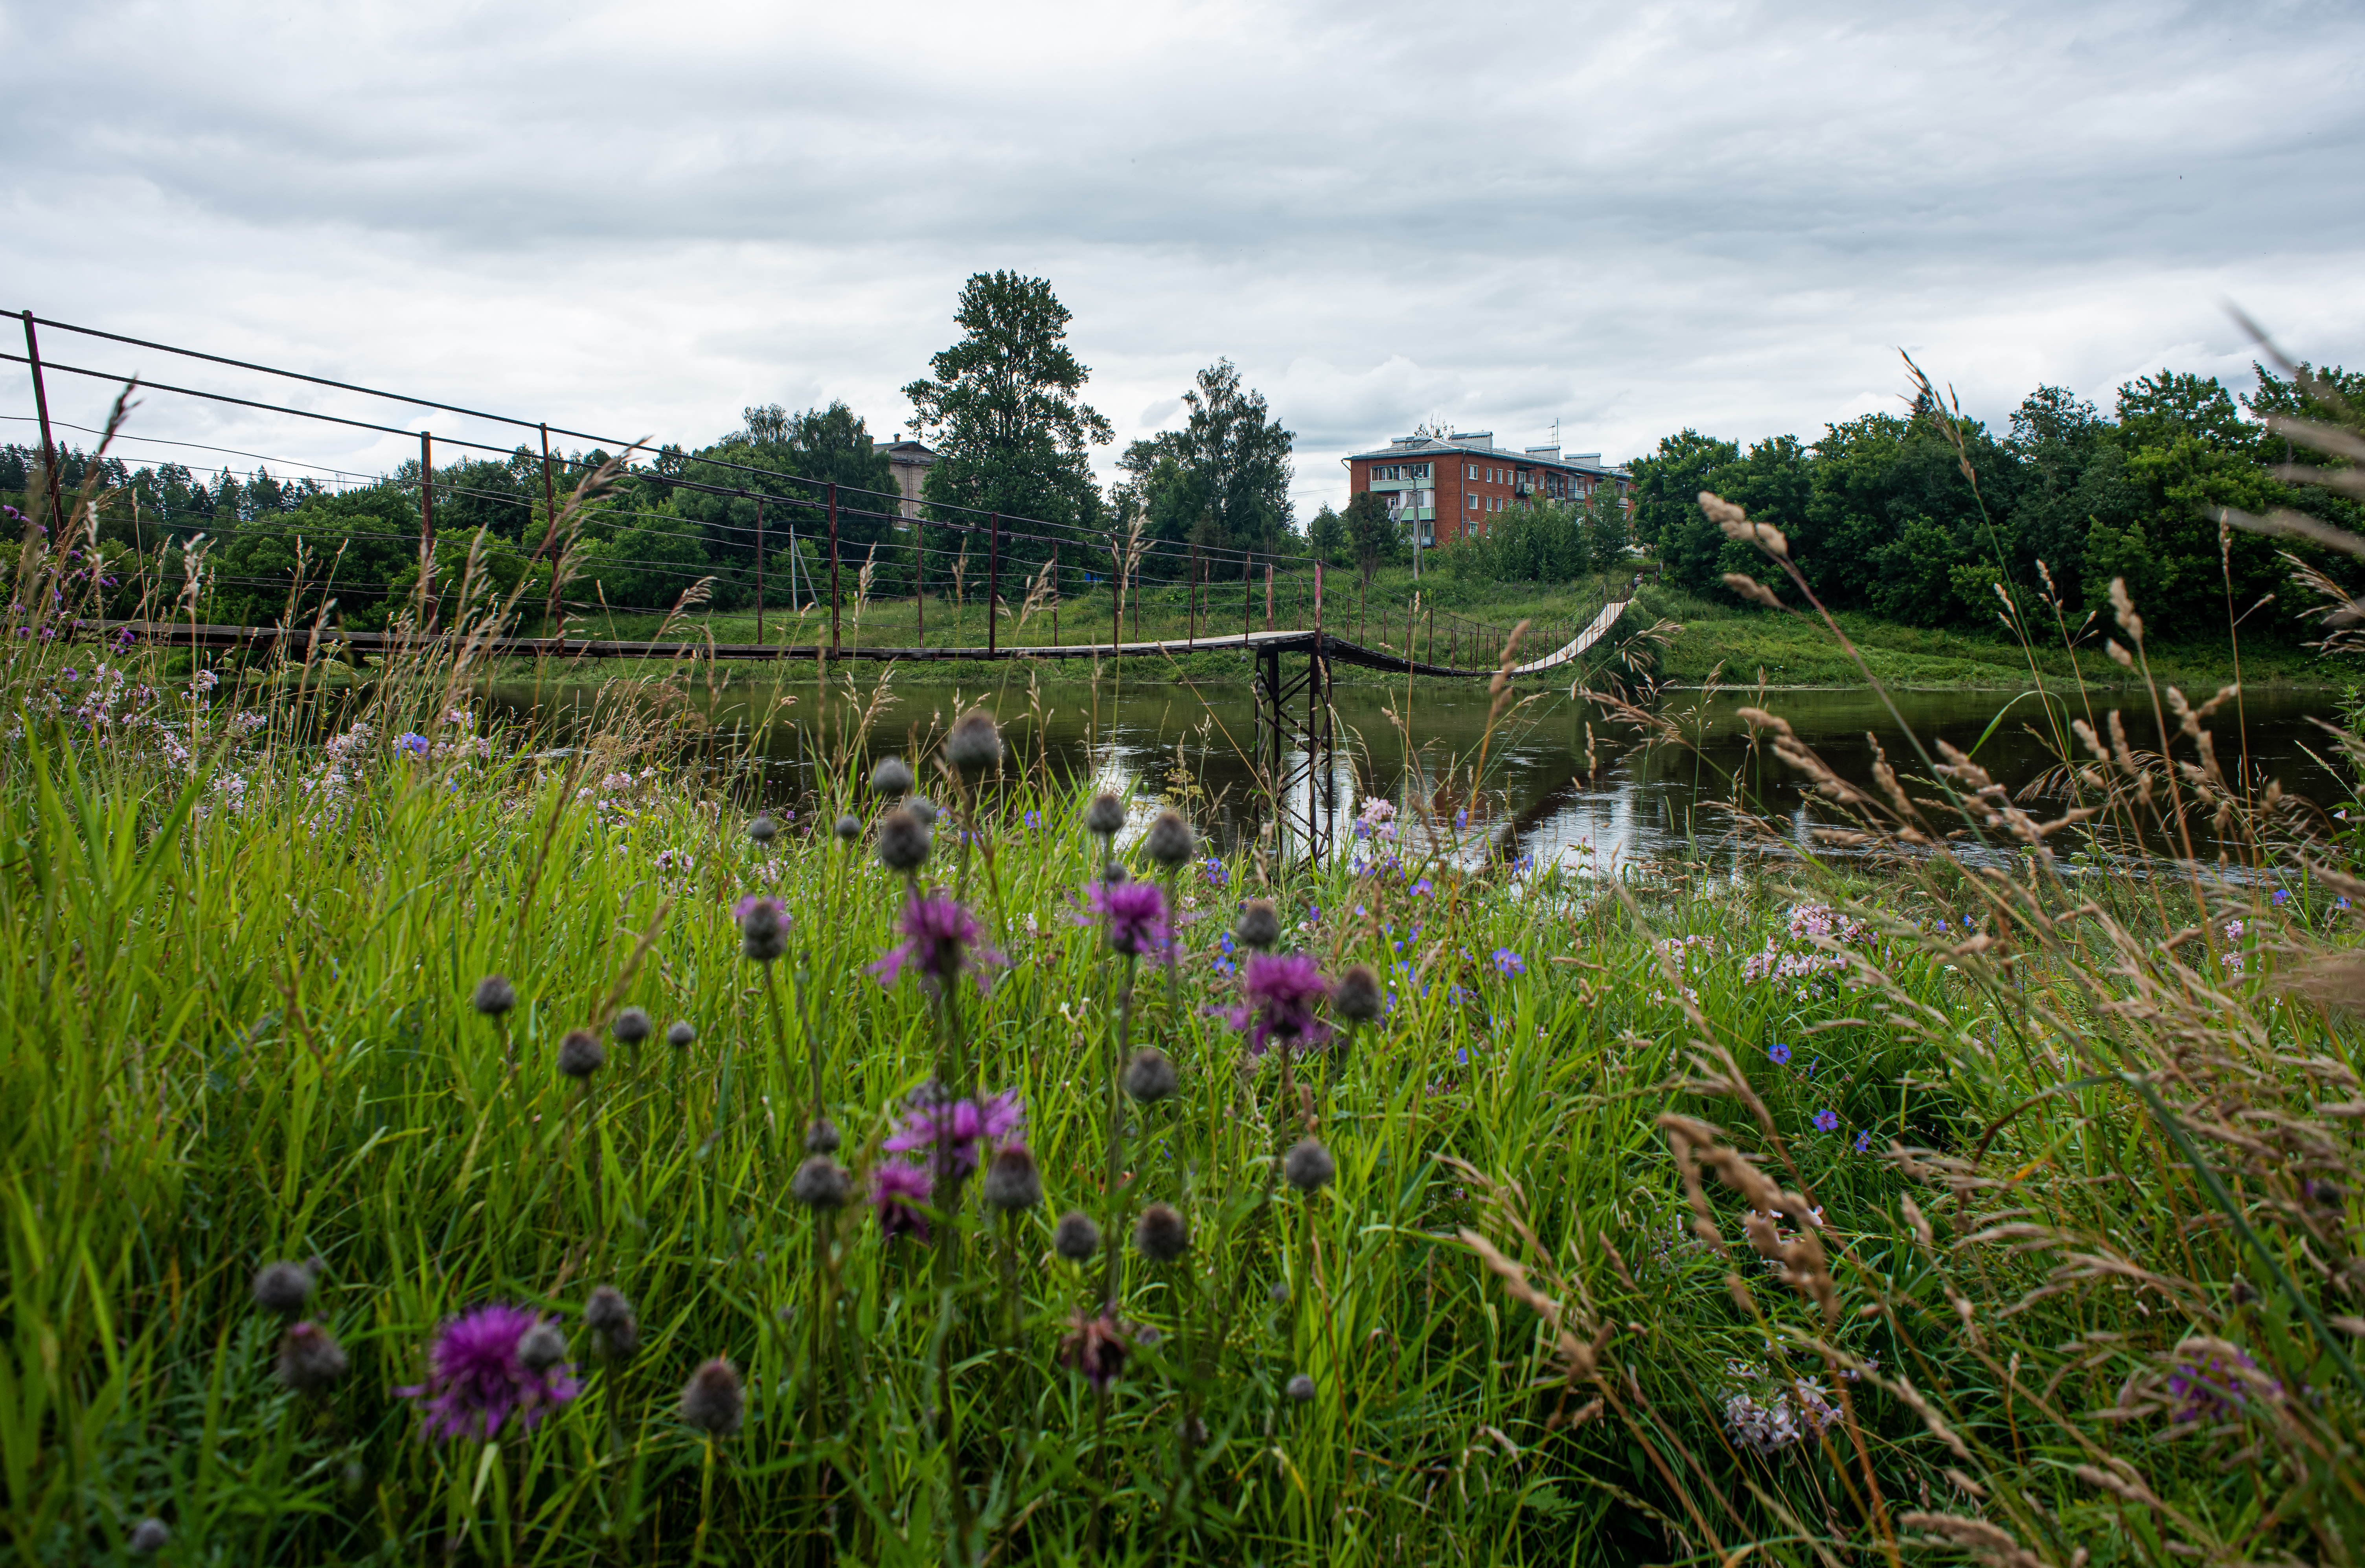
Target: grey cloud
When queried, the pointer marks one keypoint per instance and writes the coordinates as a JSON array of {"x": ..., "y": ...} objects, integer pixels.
[{"x": 1719, "y": 215}]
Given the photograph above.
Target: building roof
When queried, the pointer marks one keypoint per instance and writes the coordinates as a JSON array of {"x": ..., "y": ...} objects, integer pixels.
[{"x": 1481, "y": 444}]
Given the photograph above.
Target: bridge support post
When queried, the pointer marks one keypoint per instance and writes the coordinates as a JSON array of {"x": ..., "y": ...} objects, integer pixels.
[{"x": 1290, "y": 750}]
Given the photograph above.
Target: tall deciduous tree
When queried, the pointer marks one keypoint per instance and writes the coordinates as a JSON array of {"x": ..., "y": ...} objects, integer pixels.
[
  {"x": 1003, "y": 408},
  {"x": 1222, "y": 479},
  {"x": 1377, "y": 538}
]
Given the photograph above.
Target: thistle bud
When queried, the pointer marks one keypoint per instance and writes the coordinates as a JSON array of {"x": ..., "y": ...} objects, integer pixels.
[
  {"x": 891, "y": 777},
  {"x": 1300, "y": 1389},
  {"x": 821, "y": 1182},
  {"x": 542, "y": 1346},
  {"x": 494, "y": 996},
  {"x": 1012, "y": 1182},
  {"x": 849, "y": 828},
  {"x": 283, "y": 1288},
  {"x": 714, "y": 1399},
  {"x": 631, "y": 1026},
  {"x": 1150, "y": 1076},
  {"x": 147, "y": 1537},
  {"x": 579, "y": 1055},
  {"x": 1170, "y": 840},
  {"x": 615, "y": 1332},
  {"x": 763, "y": 829},
  {"x": 1356, "y": 997},
  {"x": 1162, "y": 1234},
  {"x": 1105, "y": 816},
  {"x": 1115, "y": 874},
  {"x": 763, "y": 928},
  {"x": 821, "y": 1136},
  {"x": 922, "y": 808},
  {"x": 1076, "y": 1238},
  {"x": 903, "y": 840},
  {"x": 681, "y": 1033},
  {"x": 1259, "y": 926},
  {"x": 975, "y": 744},
  {"x": 310, "y": 1360},
  {"x": 1308, "y": 1166}
]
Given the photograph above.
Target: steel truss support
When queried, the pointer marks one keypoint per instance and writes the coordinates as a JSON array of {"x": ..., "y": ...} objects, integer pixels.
[{"x": 1296, "y": 745}]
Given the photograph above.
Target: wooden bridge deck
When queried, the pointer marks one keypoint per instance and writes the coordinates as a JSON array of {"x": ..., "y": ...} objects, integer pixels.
[{"x": 1333, "y": 648}]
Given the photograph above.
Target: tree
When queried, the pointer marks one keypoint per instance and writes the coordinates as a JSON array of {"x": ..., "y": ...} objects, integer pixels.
[
  {"x": 1373, "y": 535},
  {"x": 1223, "y": 480},
  {"x": 1003, "y": 411},
  {"x": 828, "y": 445},
  {"x": 1326, "y": 541},
  {"x": 1605, "y": 530}
]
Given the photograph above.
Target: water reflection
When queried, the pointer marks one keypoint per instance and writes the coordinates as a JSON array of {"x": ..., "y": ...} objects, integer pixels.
[{"x": 1562, "y": 780}]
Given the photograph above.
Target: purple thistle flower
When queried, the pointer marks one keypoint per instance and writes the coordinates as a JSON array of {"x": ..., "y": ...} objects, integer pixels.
[
  {"x": 475, "y": 1381},
  {"x": 1778, "y": 1053},
  {"x": 2214, "y": 1390},
  {"x": 899, "y": 1193},
  {"x": 1281, "y": 990},
  {"x": 942, "y": 938},
  {"x": 1134, "y": 915},
  {"x": 1827, "y": 1120},
  {"x": 959, "y": 1126}
]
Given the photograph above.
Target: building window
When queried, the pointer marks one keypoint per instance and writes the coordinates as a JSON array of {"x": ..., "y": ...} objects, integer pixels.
[{"x": 1473, "y": 502}]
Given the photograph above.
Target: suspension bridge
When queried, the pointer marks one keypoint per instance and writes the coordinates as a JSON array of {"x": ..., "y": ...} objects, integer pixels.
[{"x": 1291, "y": 664}]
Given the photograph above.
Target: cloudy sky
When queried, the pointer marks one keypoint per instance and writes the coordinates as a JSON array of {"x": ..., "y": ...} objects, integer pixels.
[{"x": 639, "y": 219}]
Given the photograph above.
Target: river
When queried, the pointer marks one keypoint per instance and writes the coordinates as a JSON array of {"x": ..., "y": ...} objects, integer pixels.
[{"x": 1539, "y": 793}]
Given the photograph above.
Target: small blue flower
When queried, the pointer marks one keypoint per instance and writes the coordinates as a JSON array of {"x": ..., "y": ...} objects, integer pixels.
[
  {"x": 1827, "y": 1121},
  {"x": 1420, "y": 889},
  {"x": 1462, "y": 818},
  {"x": 1033, "y": 819},
  {"x": 1507, "y": 963},
  {"x": 1863, "y": 1142},
  {"x": 2282, "y": 895},
  {"x": 1778, "y": 1053},
  {"x": 1226, "y": 940},
  {"x": 414, "y": 744}
]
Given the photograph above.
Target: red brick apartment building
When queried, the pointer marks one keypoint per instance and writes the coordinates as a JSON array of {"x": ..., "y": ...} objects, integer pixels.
[{"x": 1448, "y": 486}]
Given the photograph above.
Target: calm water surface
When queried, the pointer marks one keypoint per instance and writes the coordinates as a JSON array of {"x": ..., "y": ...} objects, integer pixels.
[{"x": 1539, "y": 793}]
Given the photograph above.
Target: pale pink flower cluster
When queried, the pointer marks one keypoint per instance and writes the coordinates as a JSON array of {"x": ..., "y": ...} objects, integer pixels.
[
  {"x": 1804, "y": 973},
  {"x": 1813, "y": 922},
  {"x": 1377, "y": 819},
  {"x": 1684, "y": 950},
  {"x": 1768, "y": 1419}
]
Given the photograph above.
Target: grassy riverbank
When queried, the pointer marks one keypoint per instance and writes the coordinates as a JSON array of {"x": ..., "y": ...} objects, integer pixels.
[
  {"x": 1849, "y": 1212},
  {"x": 1457, "y": 621}
]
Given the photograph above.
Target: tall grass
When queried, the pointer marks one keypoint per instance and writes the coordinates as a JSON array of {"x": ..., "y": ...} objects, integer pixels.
[{"x": 1914, "y": 1202}]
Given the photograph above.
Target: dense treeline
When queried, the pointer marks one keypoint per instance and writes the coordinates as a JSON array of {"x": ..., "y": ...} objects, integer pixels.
[
  {"x": 1882, "y": 516},
  {"x": 1920, "y": 518},
  {"x": 1002, "y": 409}
]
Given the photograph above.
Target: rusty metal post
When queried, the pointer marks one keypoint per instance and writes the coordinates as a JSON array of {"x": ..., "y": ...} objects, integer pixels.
[
  {"x": 48, "y": 447},
  {"x": 992, "y": 582},
  {"x": 832, "y": 568},
  {"x": 1191, "y": 599},
  {"x": 1116, "y": 595},
  {"x": 427, "y": 525},
  {"x": 1055, "y": 594},
  {"x": 1267, "y": 596},
  {"x": 549, "y": 497},
  {"x": 759, "y": 568},
  {"x": 1248, "y": 595}
]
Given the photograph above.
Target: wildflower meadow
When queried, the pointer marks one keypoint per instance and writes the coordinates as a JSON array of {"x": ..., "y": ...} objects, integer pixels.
[{"x": 433, "y": 1139}]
